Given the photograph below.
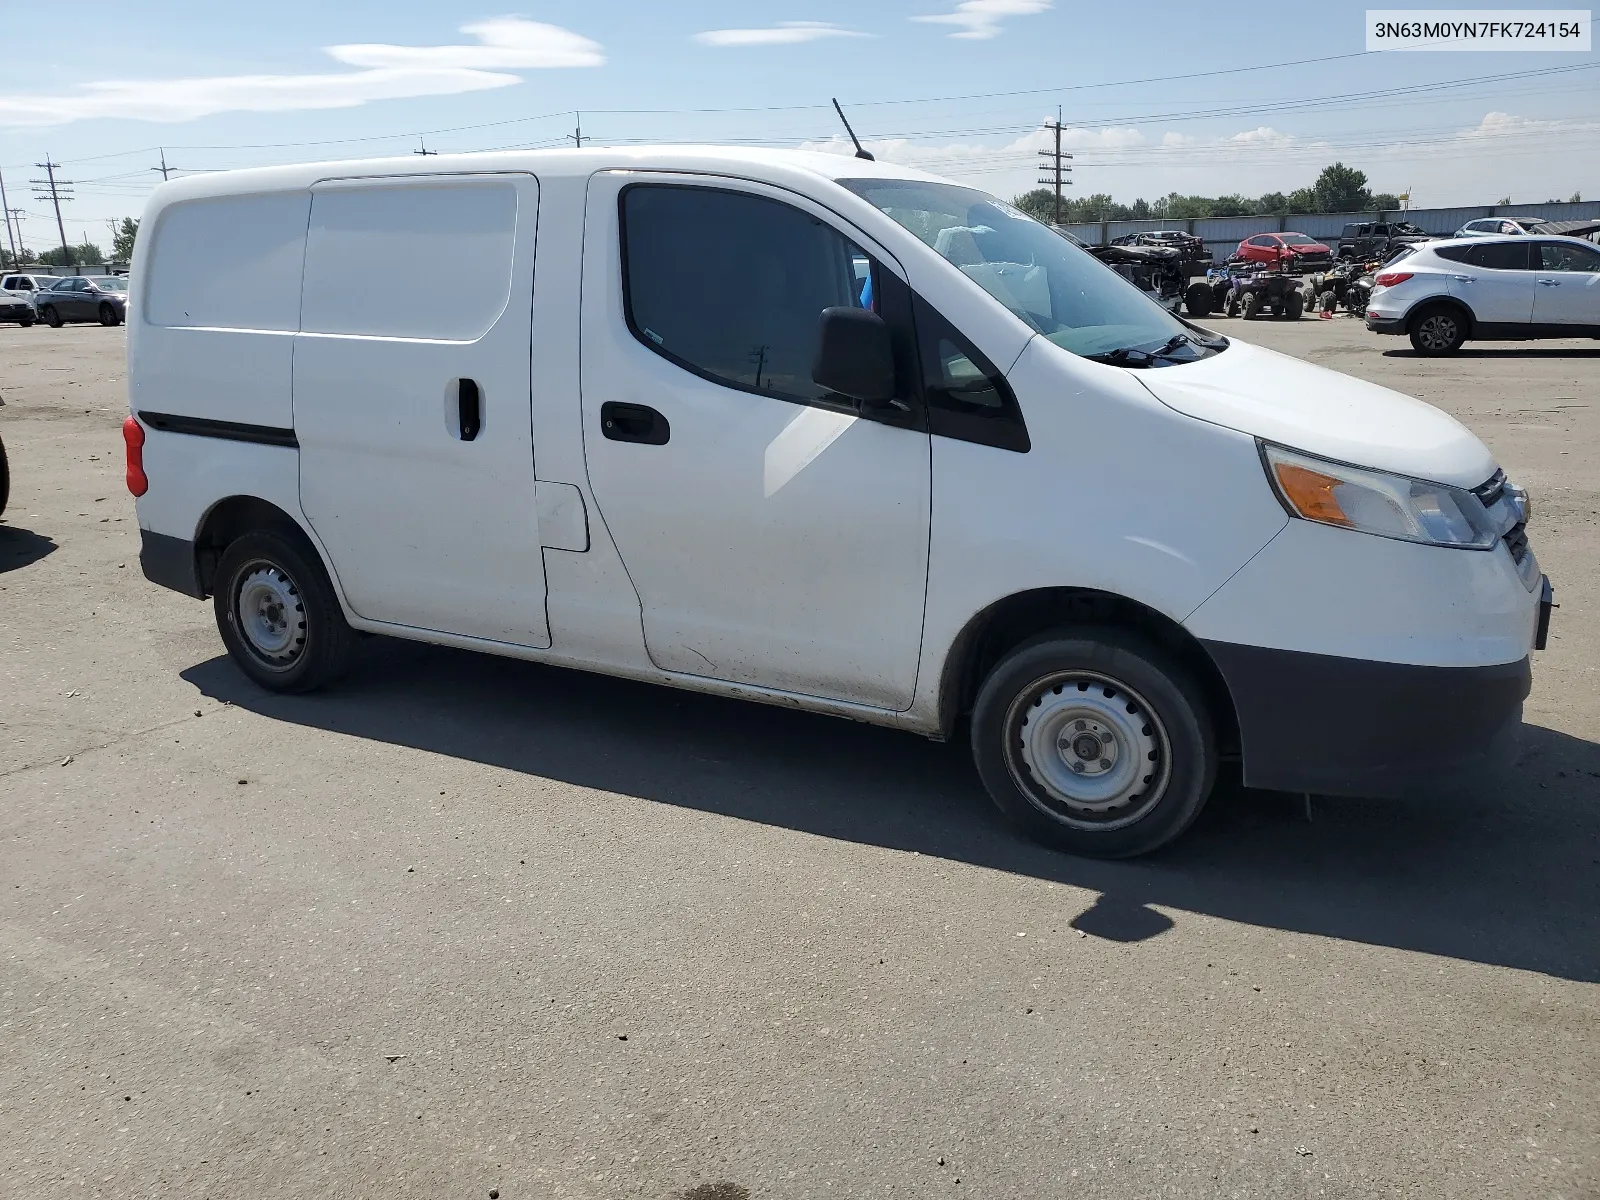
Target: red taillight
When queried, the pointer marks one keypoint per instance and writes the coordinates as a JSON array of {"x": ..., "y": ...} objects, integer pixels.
[
  {"x": 133, "y": 435},
  {"x": 1390, "y": 278}
]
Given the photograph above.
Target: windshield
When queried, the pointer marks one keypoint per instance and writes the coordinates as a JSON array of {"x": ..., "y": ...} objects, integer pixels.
[
  {"x": 1297, "y": 239},
  {"x": 1057, "y": 288},
  {"x": 109, "y": 283}
]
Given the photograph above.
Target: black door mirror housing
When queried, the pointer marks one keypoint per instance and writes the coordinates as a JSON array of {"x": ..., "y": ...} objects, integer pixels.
[{"x": 855, "y": 356}]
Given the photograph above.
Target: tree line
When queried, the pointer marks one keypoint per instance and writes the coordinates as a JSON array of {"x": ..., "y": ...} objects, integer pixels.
[
  {"x": 84, "y": 253},
  {"x": 1339, "y": 189}
]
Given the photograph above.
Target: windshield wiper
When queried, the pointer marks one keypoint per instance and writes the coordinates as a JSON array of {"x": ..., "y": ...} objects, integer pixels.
[{"x": 1131, "y": 356}]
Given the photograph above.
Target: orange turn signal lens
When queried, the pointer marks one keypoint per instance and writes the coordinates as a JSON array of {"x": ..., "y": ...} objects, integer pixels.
[{"x": 1310, "y": 493}]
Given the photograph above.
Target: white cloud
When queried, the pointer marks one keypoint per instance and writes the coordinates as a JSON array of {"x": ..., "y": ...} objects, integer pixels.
[
  {"x": 504, "y": 45},
  {"x": 785, "y": 33},
  {"x": 980, "y": 19},
  {"x": 1474, "y": 164}
]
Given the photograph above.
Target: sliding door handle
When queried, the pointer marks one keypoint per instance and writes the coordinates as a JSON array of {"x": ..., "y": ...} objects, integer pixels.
[
  {"x": 469, "y": 409},
  {"x": 634, "y": 423}
]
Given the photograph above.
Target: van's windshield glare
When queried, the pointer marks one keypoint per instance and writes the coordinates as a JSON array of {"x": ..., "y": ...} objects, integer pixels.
[{"x": 1059, "y": 289}]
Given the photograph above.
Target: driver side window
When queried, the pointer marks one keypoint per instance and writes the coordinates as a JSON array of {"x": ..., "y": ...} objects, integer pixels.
[{"x": 731, "y": 285}]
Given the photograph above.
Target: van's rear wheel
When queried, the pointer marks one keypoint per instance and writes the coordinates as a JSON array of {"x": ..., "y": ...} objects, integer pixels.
[
  {"x": 1095, "y": 741},
  {"x": 278, "y": 615}
]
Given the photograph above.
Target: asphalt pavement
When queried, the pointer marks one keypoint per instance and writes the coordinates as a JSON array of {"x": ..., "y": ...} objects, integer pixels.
[{"x": 465, "y": 926}]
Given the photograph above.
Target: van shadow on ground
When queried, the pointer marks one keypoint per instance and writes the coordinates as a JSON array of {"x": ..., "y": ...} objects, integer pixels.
[
  {"x": 1509, "y": 875},
  {"x": 22, "y": 547}
]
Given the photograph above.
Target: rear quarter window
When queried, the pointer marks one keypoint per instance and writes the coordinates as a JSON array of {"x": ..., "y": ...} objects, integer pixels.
[
  {"x": 367, "y": 247},
  {"x": 228, "y": 263}
]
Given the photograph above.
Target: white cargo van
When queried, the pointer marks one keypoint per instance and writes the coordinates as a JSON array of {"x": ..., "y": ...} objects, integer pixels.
[{"x": 820, "y": 432}]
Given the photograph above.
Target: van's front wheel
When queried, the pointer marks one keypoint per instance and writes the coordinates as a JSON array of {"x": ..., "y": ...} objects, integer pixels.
[
  {"x": 278, "y": 615},
  {"x": 1095, "y": 741}
]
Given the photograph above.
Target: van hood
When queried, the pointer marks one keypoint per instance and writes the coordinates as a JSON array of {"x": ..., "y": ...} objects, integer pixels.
[{"x": 1310, "y": 408}]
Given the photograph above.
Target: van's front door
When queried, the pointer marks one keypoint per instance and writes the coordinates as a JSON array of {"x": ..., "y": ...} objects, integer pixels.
[
  {"x": 412, "y": 401},
  {"x": 776, "y": 535}
]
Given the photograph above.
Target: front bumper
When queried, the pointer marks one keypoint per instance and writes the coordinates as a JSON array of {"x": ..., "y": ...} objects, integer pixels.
[
  {"x": 13, "y": 311},
  {"x": 1355, "y": 727}
]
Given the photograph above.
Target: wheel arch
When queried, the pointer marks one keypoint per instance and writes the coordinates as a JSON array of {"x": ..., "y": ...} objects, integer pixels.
[
  {"x": 998, "y": 629},
  {"x": 231, "y": 518},
  {"x": 1460, "y": 306}
]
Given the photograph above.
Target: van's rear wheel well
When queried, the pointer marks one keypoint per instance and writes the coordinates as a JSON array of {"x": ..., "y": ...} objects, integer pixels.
[
  {"x": 1006, "y": 624},
  {"x": 230, "y": 520}
]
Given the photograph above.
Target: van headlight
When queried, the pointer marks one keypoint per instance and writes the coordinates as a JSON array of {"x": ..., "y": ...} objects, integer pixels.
[{"x": 1393, "y": 506}]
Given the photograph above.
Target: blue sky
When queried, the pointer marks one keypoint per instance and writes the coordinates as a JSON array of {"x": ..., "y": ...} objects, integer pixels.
[{"x": 223, "y": 85}]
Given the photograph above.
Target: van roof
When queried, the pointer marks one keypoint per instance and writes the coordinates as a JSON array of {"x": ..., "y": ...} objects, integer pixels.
[{"x": 756, "y": 162}]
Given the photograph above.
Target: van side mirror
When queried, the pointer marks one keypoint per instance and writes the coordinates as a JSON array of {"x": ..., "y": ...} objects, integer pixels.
[{"x": 854, "y": 355}]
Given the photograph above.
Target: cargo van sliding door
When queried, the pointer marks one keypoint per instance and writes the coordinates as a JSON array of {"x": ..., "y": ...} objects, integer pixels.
[{"x": 412, "y": 401}]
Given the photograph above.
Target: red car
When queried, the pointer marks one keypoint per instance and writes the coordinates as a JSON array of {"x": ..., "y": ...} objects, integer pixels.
[{"x": 1294, "y": 251}]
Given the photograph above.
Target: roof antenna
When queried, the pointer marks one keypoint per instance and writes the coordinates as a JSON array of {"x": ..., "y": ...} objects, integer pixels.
[{"x": 860, "y": 153}]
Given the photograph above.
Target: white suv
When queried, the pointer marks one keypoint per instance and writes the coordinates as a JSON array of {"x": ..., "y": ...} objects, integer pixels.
[
  {"x": 1494, "y": 226},
  {"x": 1512, "y": 288}
]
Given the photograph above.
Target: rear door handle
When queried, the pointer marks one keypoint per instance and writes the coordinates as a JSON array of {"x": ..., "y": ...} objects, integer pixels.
[
  {"x": 469, "y": 408},
  {"x": 634, "y": 423},
  {"x": 1463, "y": 279},
  {"x": 1549, "y": 283}
]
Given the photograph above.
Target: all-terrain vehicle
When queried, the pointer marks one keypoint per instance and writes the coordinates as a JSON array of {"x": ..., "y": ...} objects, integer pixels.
[{"x": 1253, "y": 289}]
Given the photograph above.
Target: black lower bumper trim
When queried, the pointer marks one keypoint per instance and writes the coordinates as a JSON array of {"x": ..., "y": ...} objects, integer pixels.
[
  {"x": 1547, "y": 601},
  {"x": 1385, "y": 324},
  {"x": 170, "y": 562},
  {"x": 1353, "y": 727}
]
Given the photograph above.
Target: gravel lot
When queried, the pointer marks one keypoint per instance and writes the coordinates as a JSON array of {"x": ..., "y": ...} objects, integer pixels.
[{"x": 468, "y": 924}]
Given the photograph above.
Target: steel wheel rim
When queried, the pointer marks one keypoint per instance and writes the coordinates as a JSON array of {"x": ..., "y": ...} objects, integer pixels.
[
  {"x": 270, "y": 615},
  {"x": 1437, "y": 332},
  {"x": 1049, "y": 729}
]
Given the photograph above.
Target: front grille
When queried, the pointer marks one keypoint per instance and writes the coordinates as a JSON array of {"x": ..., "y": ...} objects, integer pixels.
[
  {"x": 1517, "y": 542},
  {"x": 1490, "y": 491},
  {"x": 1496, "y": 491}
]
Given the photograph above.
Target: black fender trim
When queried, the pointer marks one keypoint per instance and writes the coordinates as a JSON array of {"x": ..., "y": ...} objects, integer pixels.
[
  {"x": 1354, "y": 727},
  {"x": 170, "y": 561}
]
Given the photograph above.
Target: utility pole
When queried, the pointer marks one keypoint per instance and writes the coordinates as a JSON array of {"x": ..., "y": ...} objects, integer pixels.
[
  {"x": 163, "y": 168},
  {"x": 577, "y": 135},
  {"x": 424, "y": 149},
  {"x": 1056, "y": 158},
  {"x": 54, "y": 190},
  {"x": 10, "y": 237}
]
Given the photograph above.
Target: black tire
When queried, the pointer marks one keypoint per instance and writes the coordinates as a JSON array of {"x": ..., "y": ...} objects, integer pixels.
[
  {"x": 1230, "y": 304},
  {"x": 28, "y": 322},
  {"x": 278, "y": 615},
  {"x": 1328, "y": 302},
  {"x": 1437, "y": 329},
  {"x": 1293, "y": 307},
  {"x": 1198, "y": 300},
  {"x": 108, "y": 315},
  {"x": 51, "y": 317},
  {"x": 1119, "y": 690},
  {"x": 5, "y": 479},
  {"x": 1249, "y": 305}
]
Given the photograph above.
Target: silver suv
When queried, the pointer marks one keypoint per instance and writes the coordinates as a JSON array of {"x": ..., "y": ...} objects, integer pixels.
[{"x": 1509, "y": 288}]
